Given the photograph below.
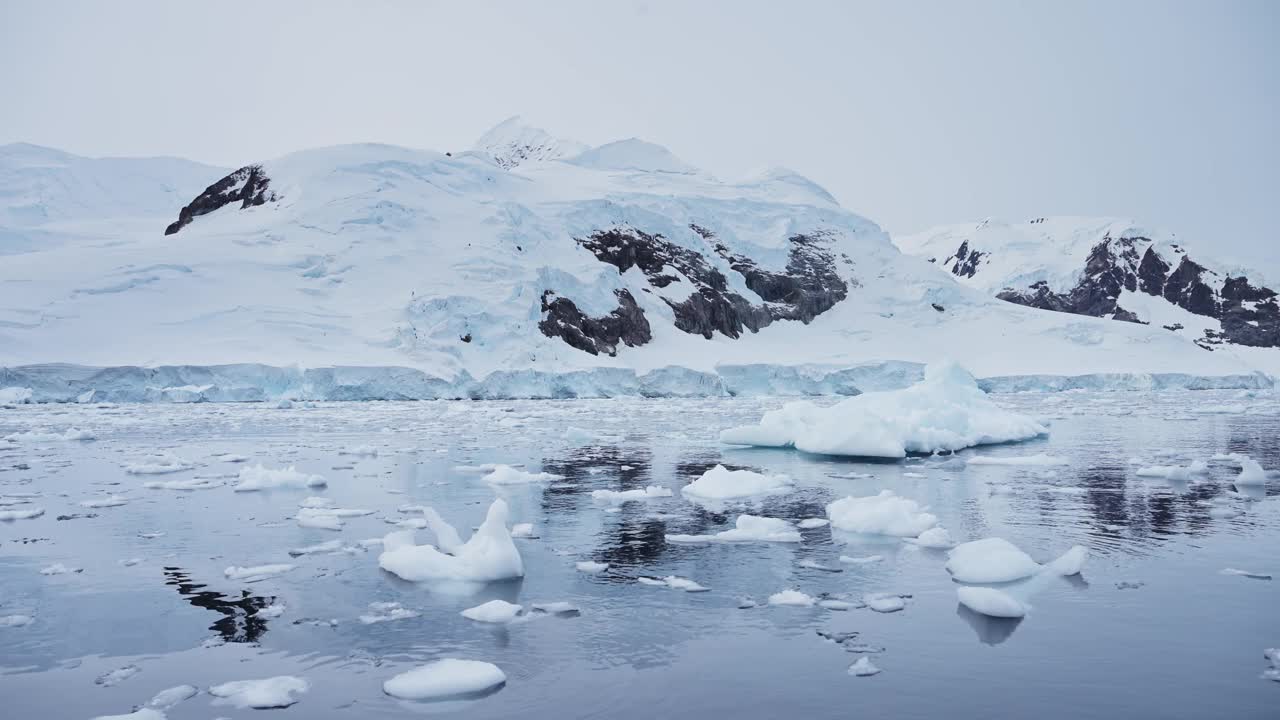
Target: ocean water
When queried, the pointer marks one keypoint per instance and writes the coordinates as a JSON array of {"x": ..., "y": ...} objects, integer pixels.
[{"x": 1151, "y": 628}]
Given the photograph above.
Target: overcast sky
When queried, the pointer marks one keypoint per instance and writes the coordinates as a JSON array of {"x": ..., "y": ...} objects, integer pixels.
[{"x": 911, "y": 113}]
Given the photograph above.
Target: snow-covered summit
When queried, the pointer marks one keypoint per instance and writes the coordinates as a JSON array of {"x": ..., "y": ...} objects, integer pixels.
[
  {"x": 635, "y": 155},
  {"x": 1107, "y": 267},
  {"x": 513, "y": 142}
]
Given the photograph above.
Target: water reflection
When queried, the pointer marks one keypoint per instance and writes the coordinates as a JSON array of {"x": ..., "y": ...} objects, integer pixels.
[
  {"x": 240, "y": 622},
  {"x": 990, "y": 630}
]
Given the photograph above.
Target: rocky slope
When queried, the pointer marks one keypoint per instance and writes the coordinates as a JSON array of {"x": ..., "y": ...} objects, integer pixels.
[{"x": 1110, "y": 269}]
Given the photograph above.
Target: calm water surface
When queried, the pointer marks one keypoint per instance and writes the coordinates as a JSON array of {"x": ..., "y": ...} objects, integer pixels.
[{"x": 1152, "y": 628}]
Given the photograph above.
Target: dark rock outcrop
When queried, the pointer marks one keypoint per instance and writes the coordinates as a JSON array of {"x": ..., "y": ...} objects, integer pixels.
[
  {"x": 965, "y": 261},
  {"x": 247, "y": 186},
  {"x": 627, "y": 324},
  {"x": 1249, "y": 314}
]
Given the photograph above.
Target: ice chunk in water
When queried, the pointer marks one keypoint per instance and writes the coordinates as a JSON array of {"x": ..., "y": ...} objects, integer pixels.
[
  {"x": 991, "y": 560},
  {"x": 488, "y": 556},
  {"x": 884, "y": 602},
  {"x": 720, "y": 484},
  {"x": 991, "y": 602},
  {"x": 141, "y": 714},
  {"x": 861, "y": 560},
  {"x": 1070, "y": 562},
  {"x": 494, "y": 611},
  {"x": 791, "y": 597},
  {"x": 105, "y": 502},
  {"x": 59, "y": 569},
  {"x": 273, "y": 692},
  {"x": 446, "y": 678},
  {"x": 863, "y": 667},
  {"x": 936, "y": 537},
  {"x": 811, "y": 523},
  {"x": 507, "y": 475},
  {"x": 1251, "y": 473},
  {"x": 257, "y": 477},
  {"x": 1246, "y": 573},
  {"x": 747, "y": 528},
  {"x": 16, "y": 621},
  {"x": 24, "y": 514},
  {"x": 117, "y": 676},
  {"x": 945, "y": 411},
  {"x": 256, "y": 572},
  {"x": 166, "y": 699},
  {"x": 591, "y": 567},
  {"x": 618, "y": 497},
  {"x": 883, "y": 514},
  {"x": 523, "y": 530}
]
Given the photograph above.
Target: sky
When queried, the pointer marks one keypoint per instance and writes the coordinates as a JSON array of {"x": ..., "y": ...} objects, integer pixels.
[{"x": 911, "y": 113}]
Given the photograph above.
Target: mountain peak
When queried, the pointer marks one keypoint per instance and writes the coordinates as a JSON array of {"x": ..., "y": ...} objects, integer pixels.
[
  {"x": 633, "y": 154},
  {"x": 514, "y": 142}
]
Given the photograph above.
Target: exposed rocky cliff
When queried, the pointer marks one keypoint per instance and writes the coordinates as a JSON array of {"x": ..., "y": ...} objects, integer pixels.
[{"x": 248, "y": 186}]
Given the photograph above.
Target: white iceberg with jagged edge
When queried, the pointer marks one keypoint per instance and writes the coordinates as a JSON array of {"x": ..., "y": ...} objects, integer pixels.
[
  {"x": 946, "y": 411},
  {"x": 488, "y": 556}
]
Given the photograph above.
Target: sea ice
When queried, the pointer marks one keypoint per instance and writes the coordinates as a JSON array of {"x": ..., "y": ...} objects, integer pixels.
[
  {"x": 16, "y": 620},
  {"x": 720, "y": 483},
  {"x": 1246, "y": 573},
  {"x": 332, "y": 546},
  {"x": 556, "y": 608},
  {"x": 446, "y": 678},
  {"x": 791, "y": 597},
  {"x": 257, "y": 477},
  {"x": 166, "y": 699},
  {"x": 140, "y": 714},
  {"x": 945, "y": 411},
  {"x": 360, "y": 451},
  {"x": 24, "y": 514},
  {"x": 747, "y": 528},
  {"x": 580, "y": 435},
  {"x": 59, "y": 569},
  {"x": 117, "y": 676},
  {"x": 522, "y": 530},
  {"x": 618, "y": 497},
  {"x": 507, "y": 475},
  {"x": 883, "y": 514},
  {"x": 274, "y": 692},
  {"x": 884, "y": 602},
  {"x": 861, "y": 560},
  {"x": 106, "y": 502},
  {"x": 1251, "y": 473},
  {"x": 162, "y": 464},
  {"x": 991, "y": 602},
  {"x": 487, "y": 556},
  {"x": 192, "y": 484},
  {"x": 811, "y": 523},
  {"x": 673, "y": 582},
  {"x": 1070, "y": 562},
  {"x": 591, "y": 567},
  {"x": 991, "y": 560},
  {"x": 36, "y": 436},
  {"x": 1174, "y": 472},
  {"x": 863, "y": 667},
  {"x": 256, "y": 572},
  {"x": 935, "y": 537},
  {"x": 494, "y": 611}
]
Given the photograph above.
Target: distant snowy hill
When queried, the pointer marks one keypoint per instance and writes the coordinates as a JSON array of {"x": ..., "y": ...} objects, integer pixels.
[
  {"x": 1111, "y": 268},
  {"x": 527, "y": 266}
]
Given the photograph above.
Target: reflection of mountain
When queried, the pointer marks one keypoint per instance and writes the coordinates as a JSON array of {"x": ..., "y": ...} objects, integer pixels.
[{"x": 240, "y": 622}]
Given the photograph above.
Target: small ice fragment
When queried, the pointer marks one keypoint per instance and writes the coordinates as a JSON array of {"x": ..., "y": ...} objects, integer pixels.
[
  {"x": 331, "y": 546},
  {"x": 166, "y": 699},
  {"x": 619, "y": 497},
  {"x": 990, "y": 602},
  {"x": 747, "y": 528},
  {"x": 1070, "y": 562},
  {"x": 130, "y": 562},
  {"x": 591, "y": 567},
  {"x": 257, "y": 477},
  {"x": 106, "y": 502},
  {"x": 523, "y": 530},
  {"x": 360, "y": 451},
  {"x": 16, "y": 620},
  {"x": 1251, "y": 473},
  {"x": 117, "y": 676},
  {"x": 273, "y": 610},
  {"x": 273, "y": 692},
  {"x": 494, "y": 611},
  {"x": 557, "y": 608},
  {"x": 507, "y": 475},
  {"x": 141, "y": 714},
  {"x": 811, "y": 523},
  {"x": 488, "y": 556},
  {"x": 863, "y": 667},
  {"x": 256, "y": 572},
  {"x": 840, "y": 605},
  {"x": 883, "y": 514},
  {"x": 884, "y": 602},
  {"x": 792, "y": 598},
  {"x": 936, "y": 537},
  {"x": 25, "y": 514},
  {"x": 991, "y": 560},
  {"x": 446, "y": 678},
  {"x": 861, "y": 560},
  {"x": 720, "y": 483},
  {"x": 59, "y": 569},
  {"x": 1246, "y": 573},
  {"x": 814, "y": 565}
]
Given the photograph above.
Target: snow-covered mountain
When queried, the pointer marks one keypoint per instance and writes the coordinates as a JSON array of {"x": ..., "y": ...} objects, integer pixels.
[
  {"x": 1110, "y": 268},
  {"x": 524, "y": 263}
]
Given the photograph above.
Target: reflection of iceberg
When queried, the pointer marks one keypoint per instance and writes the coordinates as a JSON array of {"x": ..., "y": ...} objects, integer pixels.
[
  {"x": 488, "y": 556},
  {"x": 990, "y": 630},
  {"x": 945, "y": 411}
]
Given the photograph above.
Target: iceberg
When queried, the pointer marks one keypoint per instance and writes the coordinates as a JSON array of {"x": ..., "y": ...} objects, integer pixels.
[
  {"x": 946, "y": 411},
  {"x": 991, "y": 602},
  {"x": 489, "y": 555}
]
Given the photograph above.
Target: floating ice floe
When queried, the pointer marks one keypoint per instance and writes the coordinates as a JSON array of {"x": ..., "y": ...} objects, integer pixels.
[
  {"x": 619, "y": 497},
  {"x": 507, "y": 475},
  {"x": 996, "y": 560},
  {"x": 332, "y": 546},
  {"x": 523, "y": 530},
  {"x": 591, "y": 567},
  {"x": 36, "y": 436},
  {"x": 747, "y": 528},
  {"x": 15, "y": 395},
  {"x": 1174, "y": 472},
  {"x": 230, "y": 458},
  {"x": 386, "y": 612},
  {"x": 945, "y": 411},
  {"x": 1272, "y": 656},
  {"x": 811, "y": 523},
  {"x": 273, "y": 692},
  {"x": 327, "y": 518},
  {"x": 883, "y": 514},
  {"x": 1033, "y": 460},
  {"x": 139, "y": 714},
  {"x": 105, "y": 502},
  {"x": 256, "y": 572},
  {"x": 815, "y": 565},
  {"x": 991, "y": 602},
  {"x": 494, "y": 611},
  {"x": 1251, "y": 473},
  {"x": 192, "y": 484},
  {"x": 117, "y": 676},
  {"x": 837, "y": 605},
  {"x": 673, "y": 582},
  {"x": 489, "y": 554},
  {"x": 360, "y": 451},
  {"x": 861, "y": 560},
  {"x": 791, "y": 598},
  {"x": 720, "y": 483},
  {"x": 16, "y": 620},
  {"x": 580, "y": 435},
  {"x": 161, "y": 464},
  {"x": 24, "y": 514},
  {"x": 1246, "y": 573},
  {"x": 934, "y": 537},
  {"x": 863, "y": 667},
  {"x": 444, "y": 679},
  {"x": 257, "y": 477},
  {"x": 59, "y": 569},
  {"x": 274, "y": 610},
  {"x": 166, "y": 699},
  {"x": 884, "y": 602}
]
